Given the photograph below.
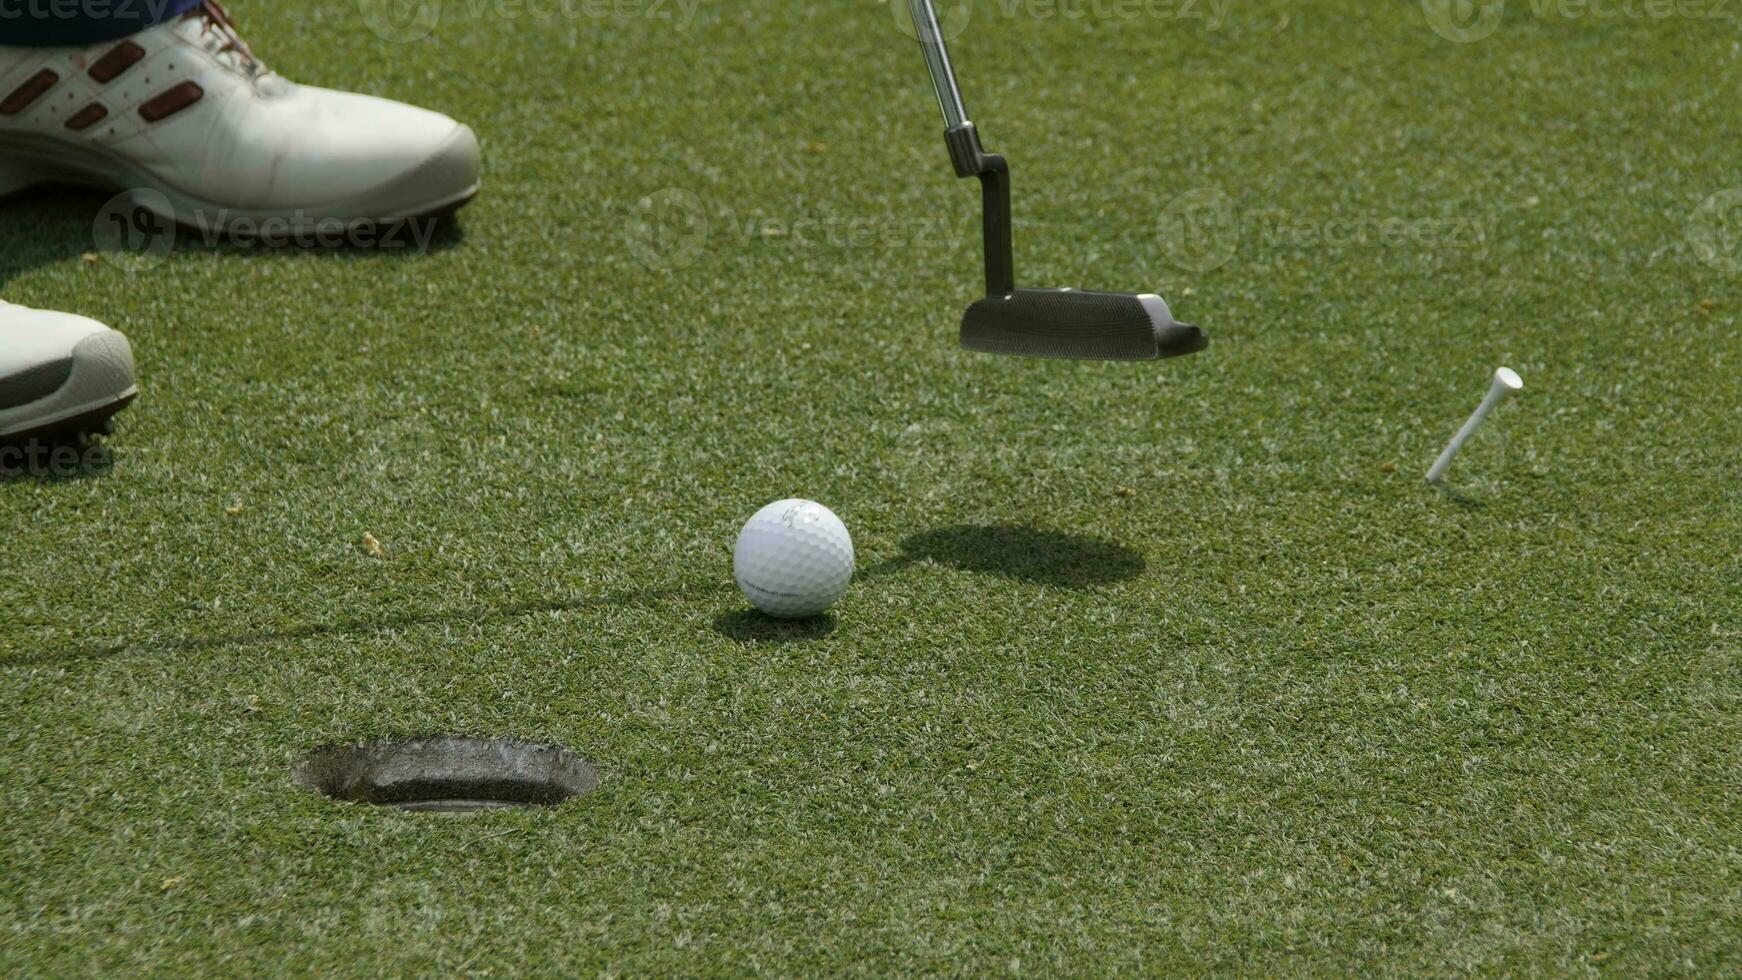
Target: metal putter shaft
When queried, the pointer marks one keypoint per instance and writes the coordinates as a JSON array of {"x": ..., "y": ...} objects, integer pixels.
[{"x": 1065, "y": 323}]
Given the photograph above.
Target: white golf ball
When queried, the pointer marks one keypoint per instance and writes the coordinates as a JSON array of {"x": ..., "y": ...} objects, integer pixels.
[{"x": 794, "y": 558}]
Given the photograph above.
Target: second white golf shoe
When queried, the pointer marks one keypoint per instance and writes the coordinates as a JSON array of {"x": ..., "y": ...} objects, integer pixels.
[{"x": 60, "y": 373}]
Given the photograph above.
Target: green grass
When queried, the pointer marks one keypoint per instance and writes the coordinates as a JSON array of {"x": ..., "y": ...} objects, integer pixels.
[{"x": 1167, "y": 668}]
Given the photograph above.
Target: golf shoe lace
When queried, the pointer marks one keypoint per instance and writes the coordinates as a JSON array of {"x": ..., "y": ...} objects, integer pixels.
[{"x": 219, "y": 36}]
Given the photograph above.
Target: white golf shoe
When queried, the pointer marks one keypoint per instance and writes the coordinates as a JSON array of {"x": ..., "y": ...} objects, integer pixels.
[
  {"x": 186, "y": 110},
  {"x": 60, "y": 373}
]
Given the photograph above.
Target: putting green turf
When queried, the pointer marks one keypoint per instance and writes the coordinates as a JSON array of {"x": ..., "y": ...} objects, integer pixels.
[{"x": 1165, "y": 667}]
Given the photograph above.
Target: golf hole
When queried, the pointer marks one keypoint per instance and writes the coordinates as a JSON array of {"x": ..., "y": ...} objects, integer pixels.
[{"x": 448, "y": 775}]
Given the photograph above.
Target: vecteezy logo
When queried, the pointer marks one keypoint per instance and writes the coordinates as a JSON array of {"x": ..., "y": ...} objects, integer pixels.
[
  {"x": 1715, "y": 231},
  {"x": 668, "y": 229},
  {"x": 133, "y": 230},
  {"x": 53, "y": 459},
  {"x": 1464, "y": 21},
  {"x": 952, "y": 20},
  {"x": 400, "y": 21},
  {"x": 1200, "y": 230}
]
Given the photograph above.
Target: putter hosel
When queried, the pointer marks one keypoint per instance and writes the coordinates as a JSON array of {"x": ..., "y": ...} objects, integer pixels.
[{"x": 972, "y": 160}]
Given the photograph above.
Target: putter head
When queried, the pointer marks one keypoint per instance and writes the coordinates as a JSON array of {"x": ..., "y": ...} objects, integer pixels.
[{"x": 1068, "y": 323}]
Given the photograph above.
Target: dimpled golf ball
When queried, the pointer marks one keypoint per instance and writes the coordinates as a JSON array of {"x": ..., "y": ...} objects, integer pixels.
[{"x": 794, "y": 558}]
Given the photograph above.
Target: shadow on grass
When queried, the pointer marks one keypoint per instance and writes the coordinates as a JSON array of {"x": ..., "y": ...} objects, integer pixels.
[
  {"x": 1072, "y": 561},
  {"x": 48, "y": 225},
  {"x": 1458, "y": 497},
  {"x": 1026, "y": 554},
  {"x": 475, "y": 616},
  {"x": 750, "y": 626}
]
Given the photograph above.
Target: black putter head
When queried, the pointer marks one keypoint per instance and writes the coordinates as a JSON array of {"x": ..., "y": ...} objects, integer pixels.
[
  {"x": 1036, "y": 322},
  {"x": 1070, "y": 323}
]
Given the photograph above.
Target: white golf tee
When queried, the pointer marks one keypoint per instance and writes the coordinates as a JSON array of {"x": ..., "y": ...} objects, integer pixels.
[{"x": 1506, "y": 382}]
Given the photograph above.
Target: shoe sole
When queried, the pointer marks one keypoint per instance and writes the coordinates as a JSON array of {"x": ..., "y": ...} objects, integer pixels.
[
  {"x": 100, "y": 384},
  {"x": 443, "y": 183}
]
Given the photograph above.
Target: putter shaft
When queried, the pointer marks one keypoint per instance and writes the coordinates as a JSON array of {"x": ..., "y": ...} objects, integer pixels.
[{"x": 937, "y": 61}]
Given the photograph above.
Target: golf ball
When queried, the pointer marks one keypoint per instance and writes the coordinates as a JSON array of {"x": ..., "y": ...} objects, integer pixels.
[{"x": 793, "y": 558}]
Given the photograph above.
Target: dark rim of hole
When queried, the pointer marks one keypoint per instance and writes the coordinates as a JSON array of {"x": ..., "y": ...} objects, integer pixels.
[{"x": 448, "y": 774}]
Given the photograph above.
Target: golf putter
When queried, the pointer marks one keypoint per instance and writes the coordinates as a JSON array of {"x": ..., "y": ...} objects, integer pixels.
[{"x": 1063, "y": 323}]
